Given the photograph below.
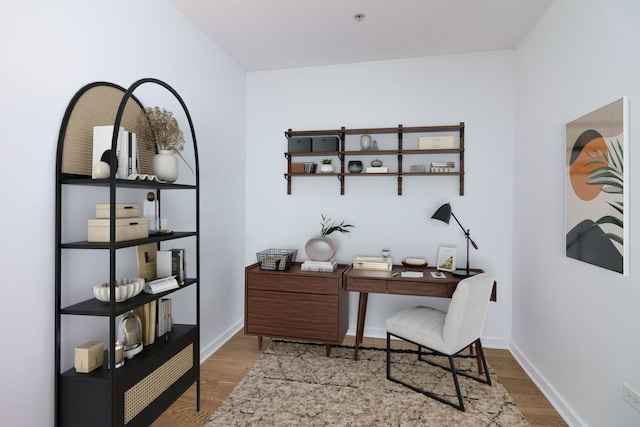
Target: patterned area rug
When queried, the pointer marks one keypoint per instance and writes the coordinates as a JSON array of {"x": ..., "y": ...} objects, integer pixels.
[{"x": 295, "y": 384}]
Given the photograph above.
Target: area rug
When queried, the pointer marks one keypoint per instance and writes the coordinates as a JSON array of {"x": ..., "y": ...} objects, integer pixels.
[{"x": 295, "y": 384}]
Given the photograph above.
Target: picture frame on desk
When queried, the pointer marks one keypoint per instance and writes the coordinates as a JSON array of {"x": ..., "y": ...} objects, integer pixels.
[{"x": 447, "y": 258}]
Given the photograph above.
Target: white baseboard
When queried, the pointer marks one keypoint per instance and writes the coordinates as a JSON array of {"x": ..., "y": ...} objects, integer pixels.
[
  {"x": 214, "y": 346},
  {"x": 563, "y": 409}
]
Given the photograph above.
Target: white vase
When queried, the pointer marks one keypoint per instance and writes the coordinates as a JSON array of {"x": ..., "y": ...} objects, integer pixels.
[
  {"x": 365, "y": 142},
  {"x": 165, "y": 166}
]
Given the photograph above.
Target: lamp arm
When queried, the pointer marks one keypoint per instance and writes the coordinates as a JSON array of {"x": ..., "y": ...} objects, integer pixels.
[{"x": 466, "y": 232}]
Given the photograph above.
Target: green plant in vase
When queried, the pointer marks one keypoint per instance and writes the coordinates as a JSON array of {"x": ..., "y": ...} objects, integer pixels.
[{"x": 326, "y": 166}]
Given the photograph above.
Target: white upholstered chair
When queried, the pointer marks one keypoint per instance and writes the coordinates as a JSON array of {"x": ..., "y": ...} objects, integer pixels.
[{"x": 447, "y": 332}]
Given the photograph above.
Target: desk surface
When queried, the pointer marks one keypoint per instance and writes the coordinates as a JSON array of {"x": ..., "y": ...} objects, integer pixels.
[{"x": 388, "y": 282}]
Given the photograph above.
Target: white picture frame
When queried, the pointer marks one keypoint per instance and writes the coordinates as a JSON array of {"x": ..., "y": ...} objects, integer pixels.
[{"x": 447, "y": 257}]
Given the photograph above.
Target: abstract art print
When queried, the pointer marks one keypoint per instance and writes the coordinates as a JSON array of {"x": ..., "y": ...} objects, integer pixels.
[{"x": 596, "y": 197}]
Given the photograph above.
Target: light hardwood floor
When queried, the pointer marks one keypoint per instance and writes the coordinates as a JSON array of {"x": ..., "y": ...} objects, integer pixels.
[{"x": 226, "y": 367}]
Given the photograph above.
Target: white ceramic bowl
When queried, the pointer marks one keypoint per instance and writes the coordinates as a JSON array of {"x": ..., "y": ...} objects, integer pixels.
[{"x": 125, "y": 289}]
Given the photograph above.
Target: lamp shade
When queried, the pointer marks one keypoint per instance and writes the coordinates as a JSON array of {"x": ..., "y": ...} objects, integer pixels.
[{"x": 442, "y": 215}]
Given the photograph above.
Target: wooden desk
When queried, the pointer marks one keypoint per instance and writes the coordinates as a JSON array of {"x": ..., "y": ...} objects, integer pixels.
[{"x": 384, "y": 282}]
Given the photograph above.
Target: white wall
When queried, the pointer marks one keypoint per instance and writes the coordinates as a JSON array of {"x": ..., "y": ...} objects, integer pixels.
[
  {"x": 49, "y": 50},
  {"x": 575, "y": 326},
  {"x": 477, "y": 89}
]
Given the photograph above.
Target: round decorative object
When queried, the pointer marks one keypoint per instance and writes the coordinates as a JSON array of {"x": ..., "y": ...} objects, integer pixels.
[
  {"x": 376, "y": 163},
  {"x": 314, "y": 252},
  {"x": 101, "y": 170},
  {"x": 327, "y": 168},
  {"x": 365, "y": 142},
  {"x": 355, "y": 166},
  {"x": 165, "y": 166}
]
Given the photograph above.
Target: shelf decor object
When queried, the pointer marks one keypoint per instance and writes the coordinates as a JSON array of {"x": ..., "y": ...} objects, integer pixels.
[
  {"x": 136, "y": 393},
  {"x": 164, "y": 132},
  {"x": 408, "y": 144},
  {"x": 443, "y": 216}
]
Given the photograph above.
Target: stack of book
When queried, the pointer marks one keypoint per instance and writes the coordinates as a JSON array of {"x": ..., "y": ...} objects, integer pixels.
[
  {"x": 443, "y": 166},
  {"x": 372, "y": 263},
  {"x": 126, "y": 150},
  {"x": 165, "y": 320},
  {"x": 320, "y": 266},
  {"x": 308, "y": 167}
]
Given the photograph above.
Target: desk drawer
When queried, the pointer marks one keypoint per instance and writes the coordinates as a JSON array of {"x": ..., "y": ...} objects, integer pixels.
[
  {"x": 293, "y": 315},
  {"x": 366, "y": 285},
  {"x": 418, "y": 288},
  {"x": 294, "y": 284}
]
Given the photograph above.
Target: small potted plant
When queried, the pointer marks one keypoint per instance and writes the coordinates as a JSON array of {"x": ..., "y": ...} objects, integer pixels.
[{"x": 326, "y": 166}]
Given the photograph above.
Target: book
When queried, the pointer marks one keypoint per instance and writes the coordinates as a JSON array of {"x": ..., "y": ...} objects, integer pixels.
[
  {"x": 147, "y": 260},
  {"x": 372, "y": 263},
  {"x": 132, "y": 153},
  {"x": 377, "y": 169},
  {"x": 178, "y": 265},
  {"x": 102, "y": 136},
  {"x": 320, "y": 266},
  {"x": 443, "y": 166}
]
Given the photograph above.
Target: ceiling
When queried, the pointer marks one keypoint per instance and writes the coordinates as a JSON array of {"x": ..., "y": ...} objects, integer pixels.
[{"x": 275, "y": 34}]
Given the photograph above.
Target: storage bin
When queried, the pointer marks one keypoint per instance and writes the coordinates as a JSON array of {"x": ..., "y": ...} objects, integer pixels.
[
  {"x": 325, "y": 143},
  {"x": 126, "y": 229},
  {"x": 276, "y": 259},
  {"x": 301, "y": 144}
]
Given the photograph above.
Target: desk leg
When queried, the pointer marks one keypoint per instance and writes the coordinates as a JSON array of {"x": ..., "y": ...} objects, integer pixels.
[
  {"x": 328, "y": 349},
  {"x": 362, "y": 312},
  {"x": 259, "y": 342}
]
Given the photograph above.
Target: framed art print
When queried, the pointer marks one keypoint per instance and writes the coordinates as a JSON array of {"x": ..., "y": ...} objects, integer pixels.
[
  {"x": 596, "y": 188},
  {"x": 447, "y": 257}
]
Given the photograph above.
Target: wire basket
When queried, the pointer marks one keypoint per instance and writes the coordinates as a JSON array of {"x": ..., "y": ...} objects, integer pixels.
[{"x": 276, "y": 259}]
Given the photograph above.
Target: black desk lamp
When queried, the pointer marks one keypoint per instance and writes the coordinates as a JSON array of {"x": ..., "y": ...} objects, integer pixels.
[{"x": 442, "y": 216}]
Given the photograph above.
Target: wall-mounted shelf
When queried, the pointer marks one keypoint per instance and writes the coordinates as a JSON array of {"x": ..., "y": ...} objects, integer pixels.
[{"x": 399, "y": 151}]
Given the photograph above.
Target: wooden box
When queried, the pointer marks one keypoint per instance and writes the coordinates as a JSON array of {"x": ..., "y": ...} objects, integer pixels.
[
  {"x": 123, "y": 210},
  {"x": 126, "y": 229},
  {"x": 89, "y": 356}
]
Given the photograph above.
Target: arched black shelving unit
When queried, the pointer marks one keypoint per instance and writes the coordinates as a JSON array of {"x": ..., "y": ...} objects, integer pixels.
[{"x": 142, "y": 389}]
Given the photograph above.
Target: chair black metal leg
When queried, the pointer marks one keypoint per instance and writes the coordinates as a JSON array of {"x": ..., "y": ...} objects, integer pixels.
[
  {"x": 480, "y": 351},
  {"x": 455, "y": 381},
  {"x": 451, "y": 368}
]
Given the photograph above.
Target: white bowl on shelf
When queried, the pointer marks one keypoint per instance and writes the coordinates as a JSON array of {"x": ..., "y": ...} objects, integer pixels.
[{"x": 125, "y": 289}]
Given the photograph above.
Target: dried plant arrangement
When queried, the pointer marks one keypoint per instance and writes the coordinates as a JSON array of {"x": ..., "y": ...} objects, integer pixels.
[{"x": 159, "y": 125}]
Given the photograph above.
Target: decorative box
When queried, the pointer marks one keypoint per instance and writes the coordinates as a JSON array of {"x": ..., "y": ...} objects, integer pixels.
[
  {"x": 301, "y": 144},
  {"x": 435, "y": 142},
  {"x": 89, "y": 356},
  {"x": 126, "y": 229},
  {"x": 123, "y": 210},
  {"x": 325, "y": 143}
]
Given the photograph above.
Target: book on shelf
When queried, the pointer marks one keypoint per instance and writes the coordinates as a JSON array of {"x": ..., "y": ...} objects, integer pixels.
[
  {"x": 320, "y": 266},
  {"x": 164, "y": 317},
  {"x": 443, "y": 166},
  {"x": 377, "y": 169},
  {"x": 126, "y": 150},
  {"x": 372, "y": 263}
]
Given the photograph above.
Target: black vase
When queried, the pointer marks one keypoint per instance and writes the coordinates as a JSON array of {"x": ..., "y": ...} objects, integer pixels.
[{"x": 355, "y": 166}]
